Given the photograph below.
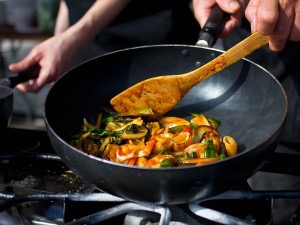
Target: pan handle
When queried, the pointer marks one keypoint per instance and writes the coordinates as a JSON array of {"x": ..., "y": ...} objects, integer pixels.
[
  {"x": 213, "y": 27},
  {"x": 23, "y": 76}
]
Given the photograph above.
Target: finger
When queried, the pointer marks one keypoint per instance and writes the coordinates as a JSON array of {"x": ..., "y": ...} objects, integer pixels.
[
  {"x": 41, "y": 81},
  {"x": 35, "y": 85},
  {"x": 282, "y": 29},
  {"x": 251, "y": 12},
  {"x": 22, "y": 87},
  {"x": 29, "y": 61},
  {"x": 202, "y": 10},
  {"x": 266, "y": 16},
  {"x": 28, "y": 87},
  {"x": 262, "y": 15},
  {"x": 295, "y": 30},
  {"x": 230, "y": 6},
  {"x": 236, "y": 9}
]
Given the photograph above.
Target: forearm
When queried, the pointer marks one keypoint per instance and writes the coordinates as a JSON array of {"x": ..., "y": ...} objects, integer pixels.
[
  {"x": 101, "y": 14},
  {"x": 62, "y": 19}
]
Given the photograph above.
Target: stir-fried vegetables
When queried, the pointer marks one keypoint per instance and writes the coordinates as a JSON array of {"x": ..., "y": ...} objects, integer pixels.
[{"x": 150, "y": 141}]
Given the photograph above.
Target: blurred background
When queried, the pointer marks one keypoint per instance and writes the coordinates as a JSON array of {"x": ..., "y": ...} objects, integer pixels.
[{"x": 23, "y": 24}]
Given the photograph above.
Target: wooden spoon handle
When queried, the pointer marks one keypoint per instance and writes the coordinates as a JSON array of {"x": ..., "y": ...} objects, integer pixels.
[{"x": 229, "y": 57}]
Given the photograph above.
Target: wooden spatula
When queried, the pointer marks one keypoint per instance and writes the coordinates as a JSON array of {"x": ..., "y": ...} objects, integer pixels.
[{"x": 162, "y": 93}]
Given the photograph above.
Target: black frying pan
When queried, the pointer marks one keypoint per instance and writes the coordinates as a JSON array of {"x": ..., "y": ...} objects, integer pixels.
[{"x": 250, "y": 103}]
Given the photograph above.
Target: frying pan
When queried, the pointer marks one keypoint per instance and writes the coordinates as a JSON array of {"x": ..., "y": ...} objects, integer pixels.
[
  {"x": 250, "y": 103},
  {"x": 6, "y": 92}
]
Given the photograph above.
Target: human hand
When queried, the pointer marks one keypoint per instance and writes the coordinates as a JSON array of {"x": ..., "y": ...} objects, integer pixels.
[
  {"x": 53, "y": 58},
  {"x": 278, "y": 18},
  {"x": 202, "y": 10}
]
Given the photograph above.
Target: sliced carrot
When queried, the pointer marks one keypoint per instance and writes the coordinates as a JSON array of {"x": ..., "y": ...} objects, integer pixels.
[{"x": 132, "y": 161}]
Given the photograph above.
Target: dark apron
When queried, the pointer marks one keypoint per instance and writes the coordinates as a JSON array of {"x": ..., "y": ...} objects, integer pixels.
[{"x": 141, "y": 23}]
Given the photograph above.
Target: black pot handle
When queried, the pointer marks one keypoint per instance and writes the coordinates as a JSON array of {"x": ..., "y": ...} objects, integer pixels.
[
  {"x": 213, "y": 27},
  {"x": 23, "y": 76}
]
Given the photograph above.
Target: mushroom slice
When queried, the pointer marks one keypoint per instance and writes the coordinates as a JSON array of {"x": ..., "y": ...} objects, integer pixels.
[
  {"x": 134, "y": 132},
  {"x": 201, "y": 130}
]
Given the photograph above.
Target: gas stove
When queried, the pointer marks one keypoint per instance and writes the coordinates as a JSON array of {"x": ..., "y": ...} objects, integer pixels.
[{"x": 37, "y": 188}]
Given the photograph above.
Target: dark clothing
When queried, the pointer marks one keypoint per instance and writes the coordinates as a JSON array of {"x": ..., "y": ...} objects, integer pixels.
[{"x": 145, "y": 22}]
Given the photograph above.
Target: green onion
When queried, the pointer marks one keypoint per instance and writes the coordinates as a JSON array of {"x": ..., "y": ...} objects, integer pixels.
[{"x": 209, "y": 151}]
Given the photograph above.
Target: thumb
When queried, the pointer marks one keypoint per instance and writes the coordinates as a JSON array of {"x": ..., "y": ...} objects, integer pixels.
[{"x": 230, "y": 6}]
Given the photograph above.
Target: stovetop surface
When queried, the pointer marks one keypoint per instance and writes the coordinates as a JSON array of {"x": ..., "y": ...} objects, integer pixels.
[{"x": 28, "y": 162}]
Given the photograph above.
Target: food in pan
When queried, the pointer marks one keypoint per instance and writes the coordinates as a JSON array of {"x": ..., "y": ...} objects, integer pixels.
[{"x": 150, "y": 141}]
